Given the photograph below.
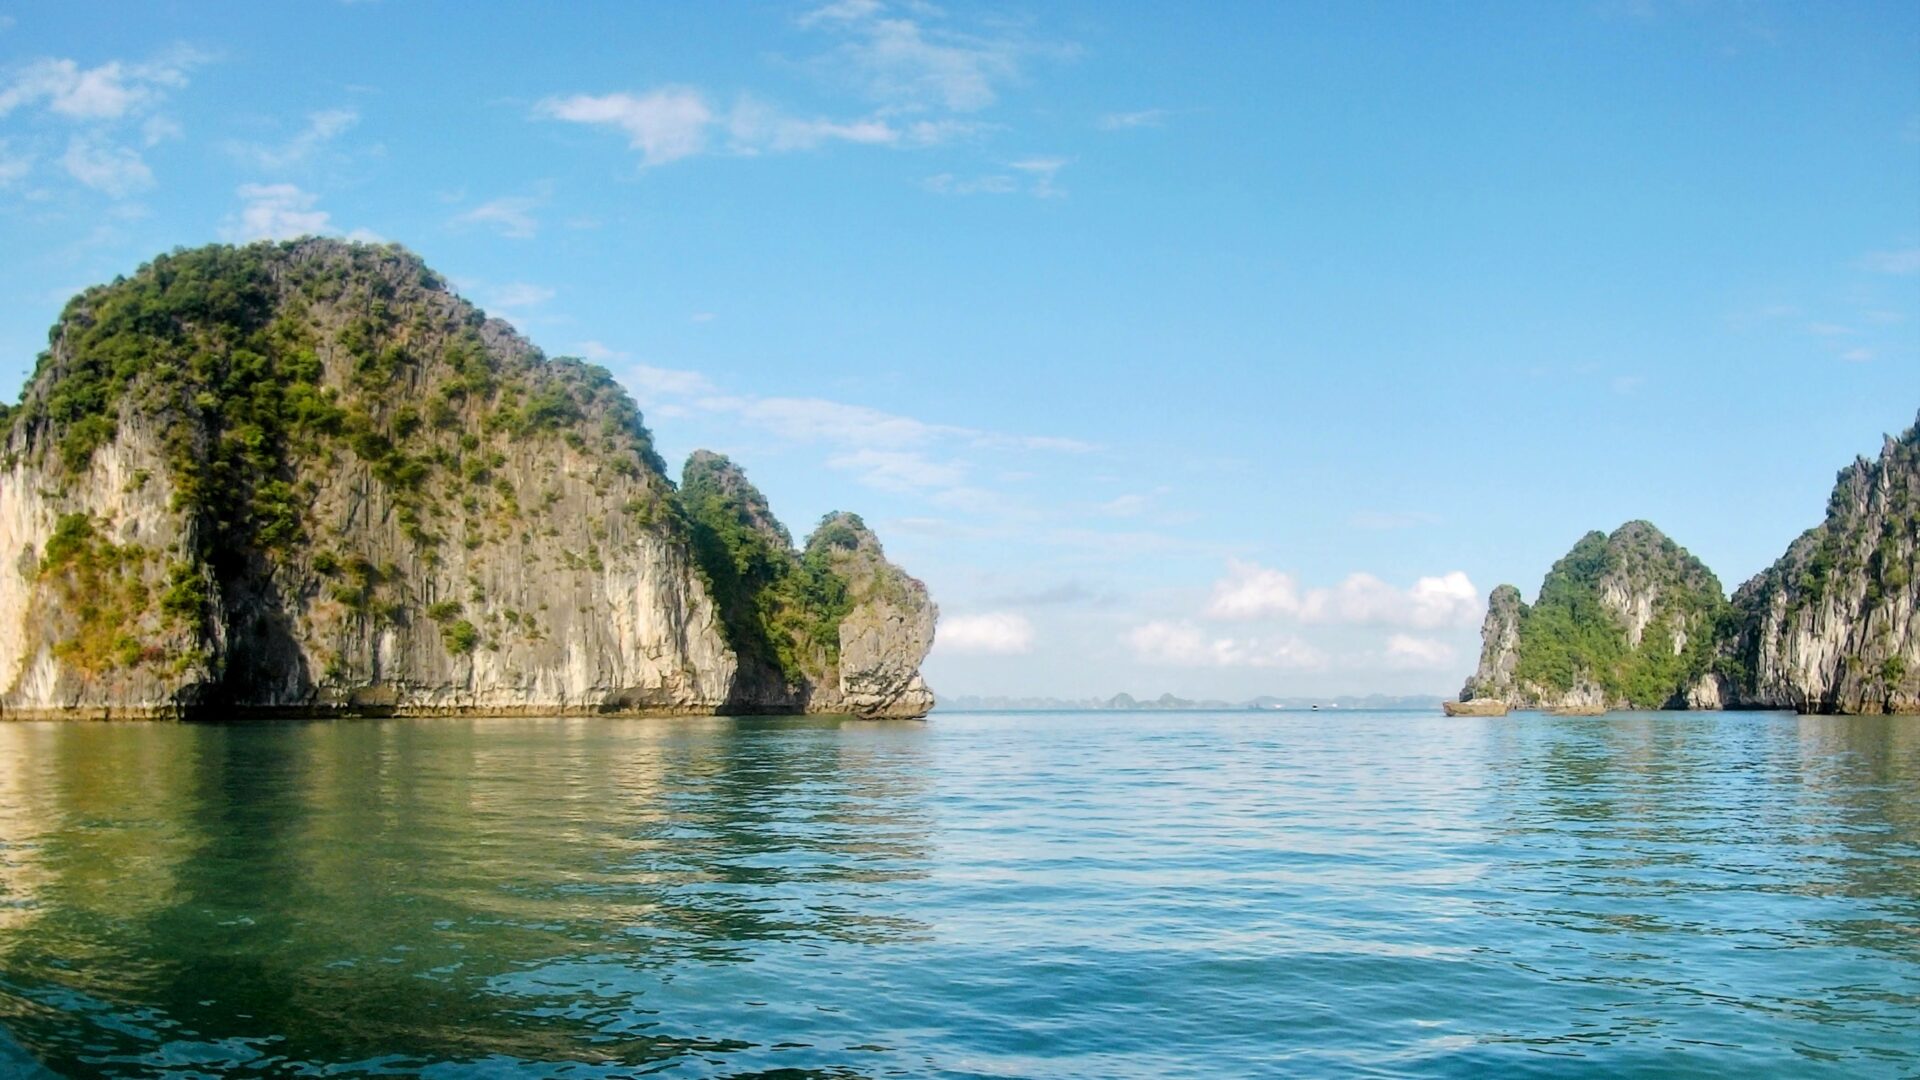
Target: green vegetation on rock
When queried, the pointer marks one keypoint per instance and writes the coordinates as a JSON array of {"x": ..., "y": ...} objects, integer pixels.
[
  {"x": 778, "y": 607},
  {"x": 1580, "y": 629}
]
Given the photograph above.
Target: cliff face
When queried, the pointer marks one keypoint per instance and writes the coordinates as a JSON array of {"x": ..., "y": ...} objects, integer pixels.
[
  {"x": 832, "y": 628},
  {"x": 1632, "y": 621},
  {"x": 1834, "y": 626},
  {"x": 307, "y": 478},
  {"x": 1623, "y": 621}
]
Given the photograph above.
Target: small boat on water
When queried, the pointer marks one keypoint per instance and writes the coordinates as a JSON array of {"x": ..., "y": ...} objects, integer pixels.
[{"x": 1476, "y": 707}]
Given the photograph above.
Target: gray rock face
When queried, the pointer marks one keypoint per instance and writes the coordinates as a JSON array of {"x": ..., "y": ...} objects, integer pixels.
[
  {"x": 885, "y": 636},
  {"x": 1625, "y": 620},
  {"x": 306, "y": 478},
  {"x": 1499, "y": 648},
  {"x": 1834, "y": 626}
]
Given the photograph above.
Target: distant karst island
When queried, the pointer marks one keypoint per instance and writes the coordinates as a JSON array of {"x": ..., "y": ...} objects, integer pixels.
[
  {"x": 305, "y": 478},
  {"x": 1631, "y": 620}
]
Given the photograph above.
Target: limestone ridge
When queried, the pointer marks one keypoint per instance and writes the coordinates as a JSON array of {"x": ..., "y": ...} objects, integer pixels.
[
  {"x": 1834, "y": 625},
  {"x": 1632, "y": 621},
  {"x": 1626, "y": 620},
  {"x": 307, "y": 478},
  {"x": 833, "y": 627}
]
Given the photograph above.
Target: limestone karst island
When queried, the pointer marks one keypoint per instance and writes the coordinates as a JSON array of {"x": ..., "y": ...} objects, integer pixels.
[
  {"x": 307, "y": 479},
  {"x": 1632, "y": 621}
]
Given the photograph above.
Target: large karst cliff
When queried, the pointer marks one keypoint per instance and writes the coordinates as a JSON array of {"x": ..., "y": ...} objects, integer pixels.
[
  {"x": 1623, "y": 621},
  {"x": 1633, "y": 621},
  {"x": 1834, "y": 625},
  {"x": 308, "y": 478}
]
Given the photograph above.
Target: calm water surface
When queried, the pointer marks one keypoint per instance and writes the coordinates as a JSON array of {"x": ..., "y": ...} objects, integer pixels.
[{"x": 1228, "y": 894}]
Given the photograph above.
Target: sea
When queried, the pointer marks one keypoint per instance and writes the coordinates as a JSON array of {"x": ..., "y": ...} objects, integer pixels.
[{"x": 1150, "y": 894}]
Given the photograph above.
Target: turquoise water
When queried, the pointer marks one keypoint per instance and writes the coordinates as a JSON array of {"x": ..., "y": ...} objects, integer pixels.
[{"x": 1145, "y": 895}]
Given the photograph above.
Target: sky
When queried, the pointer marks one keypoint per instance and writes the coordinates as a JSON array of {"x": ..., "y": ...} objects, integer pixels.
[{"x": 1223, "y": 349}]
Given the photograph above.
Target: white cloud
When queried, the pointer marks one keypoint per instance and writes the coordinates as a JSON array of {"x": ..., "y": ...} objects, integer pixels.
[
  {"x": 598, "y": 352},
  {"x": 1904, "y": 261},
  {"x": 118, "y": 171},
  {"x": 1420, "y": 654},
  {"x": 520, "y": 294},
  {"x": 906, "y": 65},
  {"x": 13, "y": 166},
  {"x": 1376, "y": 519},
  {"x": 276, "y": 212},
  {"x": 322, "y": 128},
  {"x": 819, "y": 420},
  {"x": 510, "y": 216},
  {"x": 883, "y": 450},
  {"x": 1251, "y": 591},
  {"x": 665, "y": 125},
  {"x": 671, "y": 123},
  {"x": 994, "y": 633},
  {"x": 1182, "y": 644},
  {"x": 900, "y": 470},
  {"x": 155, "y": 130},
  {"x": 1122, "y": 121},
  {"x": 1034, "y": 176},
  {"x": 991, "y": 184},
  {"x": 753, "y": 127},
  {"x": 1858, "y": 356},
  {"x": 842, "y": 11},
  {"x": 1043, "y": 171},
  {"x": 649, "y": 383},
  {"x": 108, "y": 92},
  {"x": 1130, "y": 505}
]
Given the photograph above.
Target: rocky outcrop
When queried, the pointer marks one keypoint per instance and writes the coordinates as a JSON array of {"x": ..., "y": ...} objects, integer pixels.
[
  {"x": 887, "y": 631},
  {"x": 1834, "y": 626},
  {"x": 307, "y": 478},
  {"x": 832, "y": 628},
  {"x": 1627, "y": 620},
  {"x": 1632, "y": 621}
]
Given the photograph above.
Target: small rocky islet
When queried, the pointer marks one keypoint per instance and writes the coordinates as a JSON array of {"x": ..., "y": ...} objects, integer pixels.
[
  {"x": 305, "y": 478},
  {"x": 1631, "y": 620}
]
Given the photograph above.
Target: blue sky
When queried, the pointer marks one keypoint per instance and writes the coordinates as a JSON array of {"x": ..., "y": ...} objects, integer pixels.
[{"x": 1222, "y": 350}]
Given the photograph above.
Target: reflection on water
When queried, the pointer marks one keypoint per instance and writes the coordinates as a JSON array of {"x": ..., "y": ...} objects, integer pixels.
[{"x": 1181, "y": 894}]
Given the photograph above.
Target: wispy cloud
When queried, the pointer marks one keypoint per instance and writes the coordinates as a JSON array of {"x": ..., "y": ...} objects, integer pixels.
[
  {"x": 922, "y": 81},
  {"x": 516, "y": 295},
  {"x": 1033, "y": 176},
  {"x": 905, "y": 58},
  {"x": 1141, "y": 118},
  {"x": 111, "y": 91},
  {"x": 1901, "y": 261},
  {"x": 510, "y": 216},
  {"x": 321, "y": 128},
  {"x": 1388, "y": 520},
  {"x": 882, "y": 450},
  {"x": 13, "y": 165},
  {"x": 996, "y": 633},
  {"x": 672, "y": 123},
  {"x": 114, "y": 170}
]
